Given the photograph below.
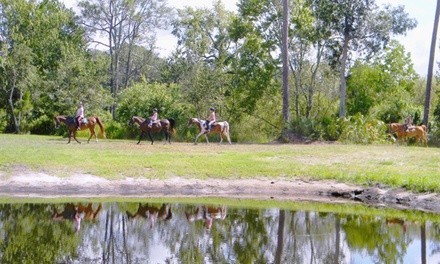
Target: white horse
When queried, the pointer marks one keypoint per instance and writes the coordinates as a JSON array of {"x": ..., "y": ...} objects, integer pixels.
[{"x": 221, "y": 128}]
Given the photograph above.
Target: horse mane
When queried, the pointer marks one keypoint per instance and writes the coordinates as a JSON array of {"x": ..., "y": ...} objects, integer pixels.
[{"x": 141, "y": 119}]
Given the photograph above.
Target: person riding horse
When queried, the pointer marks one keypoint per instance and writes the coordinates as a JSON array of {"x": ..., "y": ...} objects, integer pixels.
[
  {"x": 211, "y": 120},
  {"x": 153, "y": 118},
  {"x": 79, "y": 115},
  {"x": 409, "y": 124}
]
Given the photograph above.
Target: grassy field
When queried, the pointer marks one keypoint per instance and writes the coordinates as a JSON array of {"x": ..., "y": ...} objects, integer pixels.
[{"x": 413, "y": 168}]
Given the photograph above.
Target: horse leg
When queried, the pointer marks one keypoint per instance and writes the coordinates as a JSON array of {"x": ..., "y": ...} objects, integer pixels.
[
  {"x": 74, "y": 136},
  {"x": 166, "y": 137},
  {"x": 92, "y": 133},
  {"x": 197, "y": 137},
  {"x": 229, "y": 138},
  {"x": 140, "y": 137},
  {"x": 151, "y": 139},
  {"x": 221, "y": 138},
  {"x": 169, "y": 137},
  {"x": 206, "y": 136},
  {"x": 70, "y": 136}
]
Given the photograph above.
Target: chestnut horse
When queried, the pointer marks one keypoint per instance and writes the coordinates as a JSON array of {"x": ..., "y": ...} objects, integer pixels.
[
  {"x": 71, "y": 126},
  {"x": 221, "y": 128},
  {"x": 165, "y": 125},
  {"x": 419, "y": 133}
]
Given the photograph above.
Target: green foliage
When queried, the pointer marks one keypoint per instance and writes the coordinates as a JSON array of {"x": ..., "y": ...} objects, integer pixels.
[
  {"x": 141, "y": 98},
  {"x": 358, "y": 129},
  {"x": 383, "y": 89},
  {"x": 42, "y": 125},
  {"x": 327, "y": 128}
]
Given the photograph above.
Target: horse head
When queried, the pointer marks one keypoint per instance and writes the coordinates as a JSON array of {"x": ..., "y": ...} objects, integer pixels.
[
  {"x": 131, "y": 122},
  {"x": 193, "y": 121},
  {"x": 57, "y": 121}
]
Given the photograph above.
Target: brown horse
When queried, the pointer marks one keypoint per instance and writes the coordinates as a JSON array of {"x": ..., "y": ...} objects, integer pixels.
[
  {"x": 165, "y": 125},
  {"x": 73, "y": 212},
  {"x": 419, "y": 133},
  {"x": 221, "y": 128},
  {"x": 71, "y": 126}
]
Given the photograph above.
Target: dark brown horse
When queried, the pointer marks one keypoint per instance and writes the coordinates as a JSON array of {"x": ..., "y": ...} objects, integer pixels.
[
  {"x": 418, "y": 132},
  {"x": 165, "y": 125},
  {"x": 71, "y": 126},
  {"x": 221, "y": 128},
  {"x": 152, "y": 213}
]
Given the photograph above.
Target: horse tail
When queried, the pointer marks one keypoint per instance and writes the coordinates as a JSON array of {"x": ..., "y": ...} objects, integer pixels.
[
  {"x": 226, "y": 128},
  {"x": 172, "y": 125},
  {"x": 226, "y": 131},
  {"x": 101, "y": 126}
]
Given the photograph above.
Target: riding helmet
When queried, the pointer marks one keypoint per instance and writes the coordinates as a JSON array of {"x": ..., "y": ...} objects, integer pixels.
[
  {"x": 212, "y": 109},
  {"x": 155, "y": 110}
]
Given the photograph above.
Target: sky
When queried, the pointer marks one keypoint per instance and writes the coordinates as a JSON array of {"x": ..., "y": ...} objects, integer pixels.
[{"x": 417, "y": 41}]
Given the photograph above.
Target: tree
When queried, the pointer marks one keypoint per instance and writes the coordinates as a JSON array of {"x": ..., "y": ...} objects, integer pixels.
[
  {"x": 285, "y": 59},
  {"x": 431, "y": 65},
  {"x": 35, "y": 36},
  {"x": 360, "y": 27},
  {"x": 383, "y": 88},
  {"x": 125, "y": 24},
  {"x": 203, "y": 57}
]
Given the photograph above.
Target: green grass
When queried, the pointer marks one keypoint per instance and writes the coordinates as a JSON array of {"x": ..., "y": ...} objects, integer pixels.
[{"x": 414, "y": 168}]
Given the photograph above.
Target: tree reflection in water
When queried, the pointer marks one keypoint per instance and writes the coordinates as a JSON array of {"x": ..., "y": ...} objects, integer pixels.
[{"x": 186, "y": 233}]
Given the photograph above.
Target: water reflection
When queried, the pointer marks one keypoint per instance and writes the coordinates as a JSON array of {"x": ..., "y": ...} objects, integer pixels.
[{"x": 197, "y": 233}]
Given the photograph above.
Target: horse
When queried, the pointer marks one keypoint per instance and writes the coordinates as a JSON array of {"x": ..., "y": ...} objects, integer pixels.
[
  {"x": 221, "y": 128},
  {"x": 165, "y": 125},
  {"x": 72, "y": 127},
  {"x": 207, "y": 214},
  {"x": 73, "y": 212},
  {"x": 419, "y": 133},
  {"x": 152, "y": 213}
]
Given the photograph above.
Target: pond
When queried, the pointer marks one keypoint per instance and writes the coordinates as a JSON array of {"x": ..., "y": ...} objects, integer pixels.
[{"x": 194, "y": 232}]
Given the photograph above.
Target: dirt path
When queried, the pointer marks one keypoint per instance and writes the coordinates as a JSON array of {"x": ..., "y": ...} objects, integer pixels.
[{"x": 27, "y": 184}]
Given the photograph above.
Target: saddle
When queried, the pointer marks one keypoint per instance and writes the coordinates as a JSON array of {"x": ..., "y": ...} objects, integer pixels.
[
  {"x": 207, "y": 123},
  {"x": 156, "y": 123},
  {"x": 82, "y": 121}
]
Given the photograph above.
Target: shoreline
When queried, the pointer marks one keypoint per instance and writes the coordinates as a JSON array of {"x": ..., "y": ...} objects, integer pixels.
[{"x": 40, "y": 185}]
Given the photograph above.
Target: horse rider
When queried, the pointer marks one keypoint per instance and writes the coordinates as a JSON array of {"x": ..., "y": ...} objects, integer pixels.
[
  {"x": 79, "y": 115},
  {"x": 409, "y": 124},
  {"x": 211, "y": 119},
  {"x": 153, "y": 118}
]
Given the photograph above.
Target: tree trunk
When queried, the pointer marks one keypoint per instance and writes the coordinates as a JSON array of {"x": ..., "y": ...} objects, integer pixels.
[
  {"x": 343, "y": 89},
  {"x": 15, "y": 118},
  {"x": 431, "y": 66},
  {"x": 286, "y": 108}
]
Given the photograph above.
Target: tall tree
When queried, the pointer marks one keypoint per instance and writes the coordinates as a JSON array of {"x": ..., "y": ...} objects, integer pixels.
[
  {"x": 204, "y": 52},
  {"x": 361, "y": 28},
  {"x": 285, "y": 59},
  {"x": 35, "y": 38},
  {"x": 431, "y": 66},
  {"x": 124, "y": 23}
]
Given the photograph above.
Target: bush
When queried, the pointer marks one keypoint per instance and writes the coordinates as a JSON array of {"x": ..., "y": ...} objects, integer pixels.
[
  {"x": 42, "y": 125},
  {"x": 327, "y": 128},
  {"x": 362, "y": 130}
]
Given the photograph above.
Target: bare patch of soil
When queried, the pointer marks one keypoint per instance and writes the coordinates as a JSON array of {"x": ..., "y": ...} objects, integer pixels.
[{"x": 29, "y": 184}]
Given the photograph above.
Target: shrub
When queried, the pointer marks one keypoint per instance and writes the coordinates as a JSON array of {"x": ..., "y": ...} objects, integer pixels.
[{"x": 362, "y": 130}]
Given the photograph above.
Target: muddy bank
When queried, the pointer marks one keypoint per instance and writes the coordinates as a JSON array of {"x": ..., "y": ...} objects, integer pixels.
[{"x": 89, "y": 186}]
